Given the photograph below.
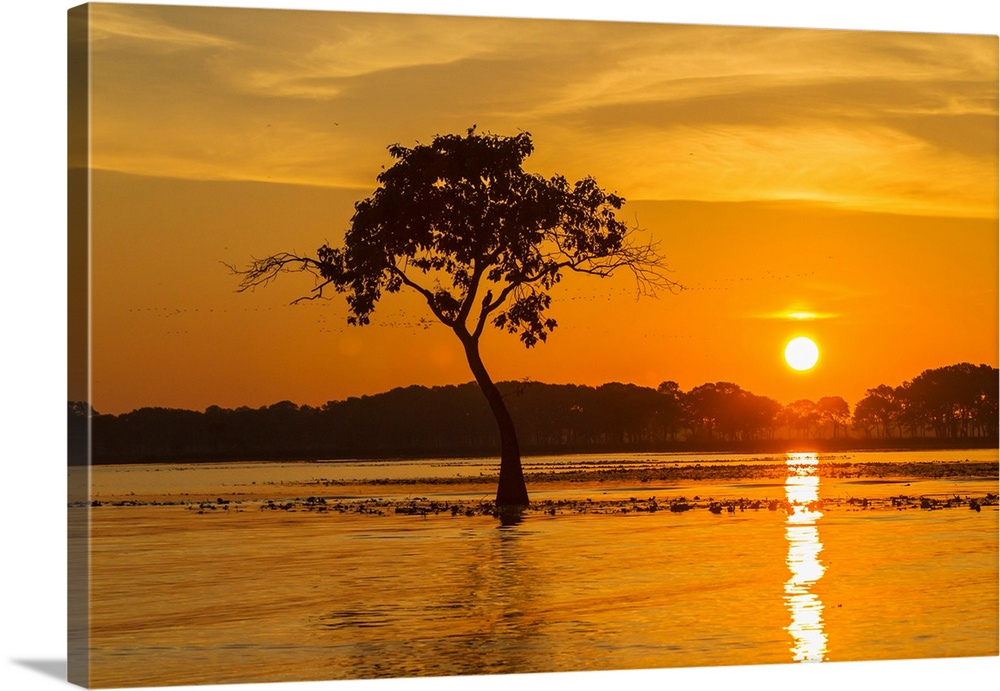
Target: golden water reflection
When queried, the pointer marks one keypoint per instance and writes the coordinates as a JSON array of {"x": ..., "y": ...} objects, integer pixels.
[{"x": 804, "y": 547}]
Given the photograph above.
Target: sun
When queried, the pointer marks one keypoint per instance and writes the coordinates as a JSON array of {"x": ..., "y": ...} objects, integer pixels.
[{"x": 801, "y": 353}]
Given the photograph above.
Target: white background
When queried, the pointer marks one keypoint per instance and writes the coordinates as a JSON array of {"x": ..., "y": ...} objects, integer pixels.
[{"x": 33, "y": 333}]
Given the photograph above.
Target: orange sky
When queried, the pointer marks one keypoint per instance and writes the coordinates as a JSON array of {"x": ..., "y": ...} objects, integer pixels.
[{"x": 852, "y": 175}]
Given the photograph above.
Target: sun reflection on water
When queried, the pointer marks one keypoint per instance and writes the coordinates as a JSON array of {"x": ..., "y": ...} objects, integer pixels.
[{"x": 804, "y": 546}]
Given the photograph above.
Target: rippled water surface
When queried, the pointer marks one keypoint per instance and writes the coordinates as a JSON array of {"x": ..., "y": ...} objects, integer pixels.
[{"x": 190, "y": 590}]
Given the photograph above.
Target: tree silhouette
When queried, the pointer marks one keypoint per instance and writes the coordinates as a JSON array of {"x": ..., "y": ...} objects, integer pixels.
[
  {"x": 725, "y": 409},
  {"x": 833, "y": 410},
  {"x": 672, "y": 407},
  {"x": 956, "y": 401},
  {"x": 881, "y": 409},
  {"x": 461, "y": 223}
]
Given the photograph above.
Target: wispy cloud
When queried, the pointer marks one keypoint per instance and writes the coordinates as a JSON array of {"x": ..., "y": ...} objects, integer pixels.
[
  {"x": 796, "y": 316},
  {"x": 119, "y": 24},
  {"x": 897, "y": 122}
]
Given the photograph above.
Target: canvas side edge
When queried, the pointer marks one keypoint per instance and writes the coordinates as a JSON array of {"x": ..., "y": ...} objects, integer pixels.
[{"x": 78, "y": 346}]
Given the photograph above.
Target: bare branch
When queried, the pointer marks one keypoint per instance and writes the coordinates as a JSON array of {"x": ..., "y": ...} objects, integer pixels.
[
  {"x": 318, "y": 290},
  {"x": 643, "y": 260},
  {"x": 261, "y": 272}
]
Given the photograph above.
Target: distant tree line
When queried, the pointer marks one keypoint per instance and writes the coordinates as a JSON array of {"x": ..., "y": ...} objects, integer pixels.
[{"x": 954, "y": 404}]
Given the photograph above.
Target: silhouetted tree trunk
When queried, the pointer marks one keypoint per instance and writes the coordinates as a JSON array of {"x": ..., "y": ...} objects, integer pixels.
[{"x": 511, "y": 490}]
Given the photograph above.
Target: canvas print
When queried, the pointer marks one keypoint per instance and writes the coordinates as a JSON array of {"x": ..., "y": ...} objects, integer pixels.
[{"x": 425, "y": 346}]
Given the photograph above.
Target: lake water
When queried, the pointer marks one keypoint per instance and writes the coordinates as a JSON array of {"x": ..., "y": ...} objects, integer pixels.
[{"x": 342, "y": 570}]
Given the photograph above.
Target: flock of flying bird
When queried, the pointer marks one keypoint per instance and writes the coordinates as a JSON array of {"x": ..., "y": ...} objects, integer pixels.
[{"x": 401, "y": 320}]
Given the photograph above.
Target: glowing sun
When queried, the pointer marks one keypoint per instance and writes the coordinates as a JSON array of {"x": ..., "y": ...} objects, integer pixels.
[{"x": 801, "y": 353}]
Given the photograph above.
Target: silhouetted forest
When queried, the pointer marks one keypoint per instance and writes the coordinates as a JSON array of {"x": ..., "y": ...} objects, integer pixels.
[{"x": 954, "y": 406}]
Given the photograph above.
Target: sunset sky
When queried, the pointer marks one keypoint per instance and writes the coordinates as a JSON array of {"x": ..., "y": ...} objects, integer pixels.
[{"x": 846, "y": 176}]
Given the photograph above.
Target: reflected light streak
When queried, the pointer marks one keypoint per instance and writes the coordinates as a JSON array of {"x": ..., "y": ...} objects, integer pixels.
[{"x": 804, "y": 547}]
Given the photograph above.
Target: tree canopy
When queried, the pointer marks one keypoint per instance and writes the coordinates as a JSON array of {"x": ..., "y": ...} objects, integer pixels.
[{"x": 482, "y": 240}]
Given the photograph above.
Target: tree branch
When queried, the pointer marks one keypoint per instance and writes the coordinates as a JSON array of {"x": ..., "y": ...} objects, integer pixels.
[
  {"x": 428, "y": 295},
  {"x": 261, "y": 272},
  {"x": 643, "y": 260},
  {"x": 470, "y": 295}
]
